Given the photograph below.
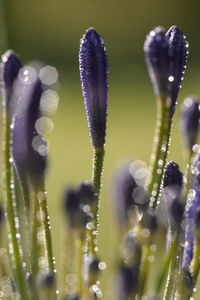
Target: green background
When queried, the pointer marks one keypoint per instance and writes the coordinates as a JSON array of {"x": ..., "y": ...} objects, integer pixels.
[{"x": 49, "y": 31}]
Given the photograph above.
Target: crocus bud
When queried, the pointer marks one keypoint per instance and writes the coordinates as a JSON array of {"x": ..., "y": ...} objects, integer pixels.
[
  {"x": 10, "y": 67},
  {"x": 76, "y": 216},
  {"x": 86, "y": 194},
  {"x": 189, "y": 121},
  {"x": 196, "y": 167},
  {"x": 177, "y": 62},
  {"x": 29, "y": 149},
  {"x": 166, "y": 55},
  {"x": 127, "y": 194},
  {"x": 172, "y": 184},
  {"x": 93, "y": 65}
]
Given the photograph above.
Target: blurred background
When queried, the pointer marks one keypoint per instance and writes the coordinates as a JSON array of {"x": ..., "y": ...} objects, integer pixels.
[{"x": 49, "y": 31}]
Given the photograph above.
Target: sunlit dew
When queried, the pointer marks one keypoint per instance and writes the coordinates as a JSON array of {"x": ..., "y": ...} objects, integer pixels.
[
  {"x": 90, "y": 226},
  {"x": 49, "y": 102},
  {"x": 44, "y": 125},
  {"x": 27, "y": 75},
  {"x": 48, "y": 75}
]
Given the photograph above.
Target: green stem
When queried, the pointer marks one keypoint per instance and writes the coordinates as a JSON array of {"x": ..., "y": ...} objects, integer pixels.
[
  {"x": 165, "y": 266},
  {"x": 196, "y": 261},
  {"x": 17, "y": 259},
  {"x": 144, "y": 270},
  {"x": 80, "y": 266},
  {"x": 46, "y": 223},
  {"x": 160, "y": 149},
  {"x": 96, "y": 180},
  {"x": 172, "y": 268}
]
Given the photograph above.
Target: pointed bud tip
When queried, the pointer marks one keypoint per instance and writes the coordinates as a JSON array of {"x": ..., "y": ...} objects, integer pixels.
[
  {"x": 172, "y": 176},
  {"x": 10, "y": 66}
]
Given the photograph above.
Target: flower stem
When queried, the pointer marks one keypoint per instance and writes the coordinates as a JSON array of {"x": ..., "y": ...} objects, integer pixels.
[
  {"x": 160, "y": 149},
  {"x": 144, "y": 270},
  {"x": 16, "y": 256},
  {"x": 196, "y": 261},
  {"x": 165, "y": 265},
  {"x": 96, "y": 180}
]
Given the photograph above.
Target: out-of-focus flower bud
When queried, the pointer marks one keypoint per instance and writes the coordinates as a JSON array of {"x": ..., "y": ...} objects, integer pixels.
[{"x": 189, "y": 121}]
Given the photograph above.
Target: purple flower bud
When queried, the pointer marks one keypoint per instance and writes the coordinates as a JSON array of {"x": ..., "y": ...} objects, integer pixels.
[
  {"x": 77, "y": 217},
  {"x": 28, "y": 148},
  {"x": 86, "y": 193},
  {"x": 173, "y": 176},
  {"x": 123, "y": 187},
  {"x": 192, "y": 205},
  {"x": 172, "y": 184},
  {"x": 127, "y": 281},
  {"x": 46, "y": 278},
  {"x": 189, "y": 121},
  {"x": 178, "y": 58},
  {"x": 166, "y": 55},
  {"x": 93, "y": 65},
  {"x": 10, "y": 67},
  {"x": 196, "y": 167},
  {"x": 157, "y": 59}
]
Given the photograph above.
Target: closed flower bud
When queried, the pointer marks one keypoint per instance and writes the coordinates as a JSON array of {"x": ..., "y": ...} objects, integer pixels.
[
  {"x": 127, "y": 281},
  {"x": 196, "y": 167},
  {"x": 86, "y": 194},
  {"x": 10, "y": 67},
  {"x": 29, "y": 149},
  {"x": 76, "y": 216},
  {"x": 93, "y": 66},
  {"x": 172, "y": 184},
  {"x": 166, "y": 55},
  {"x": 189, "y": 121}
]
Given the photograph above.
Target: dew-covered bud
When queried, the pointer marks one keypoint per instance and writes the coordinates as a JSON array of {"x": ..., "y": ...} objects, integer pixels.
[
  {"x": 86, "y": 193},
  {"x": 173, "y": 176},
  {"x": 172, "y": 186},
  {"x": 28, "y": 148},
  {"x": 166, "y": 55},
  {"x": 93, "y": 65},
  {"x": 127, "y": 194},
  {"x": 76, "y": 216},
  {"x": 10, "y": 67},
  {"x": 157, "y": 59},
  {"x": 189, "y": 121},
  {"x": 178, "y": 58}
]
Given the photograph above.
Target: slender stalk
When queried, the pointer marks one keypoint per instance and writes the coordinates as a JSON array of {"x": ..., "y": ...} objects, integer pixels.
[
  {"x": 196, "y": 261},
  {"x": 160, "y": 149},
  {"x": 80, "y": 243},
  {"x": 46, "y": 223},
  {"x": 165, "y": 266},
  {"x": 172, "y": 268},
  {"x": 143, "y": 270},
  {"x": 17, "y": 259},
  {"x": 96, "y": 180}
]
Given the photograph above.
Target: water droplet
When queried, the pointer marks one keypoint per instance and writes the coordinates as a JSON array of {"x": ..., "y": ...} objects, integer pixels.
[
  {"x": 48, "y": 75},
  {"x": 90, "y": 226},
  {"x": 171, "y": 78},
  {"x": 102, "y": 266}
]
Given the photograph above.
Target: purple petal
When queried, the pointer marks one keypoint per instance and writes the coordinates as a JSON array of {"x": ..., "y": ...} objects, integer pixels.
[
  {"x": 10, "y": 67},
  {"x": 189, "y": 121},
  {"x": 28, "y": 148},
  {"x": 157, "y": 59},
  {"x": 178, "y": 58},
  {"x": 93, "y": 66}
]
